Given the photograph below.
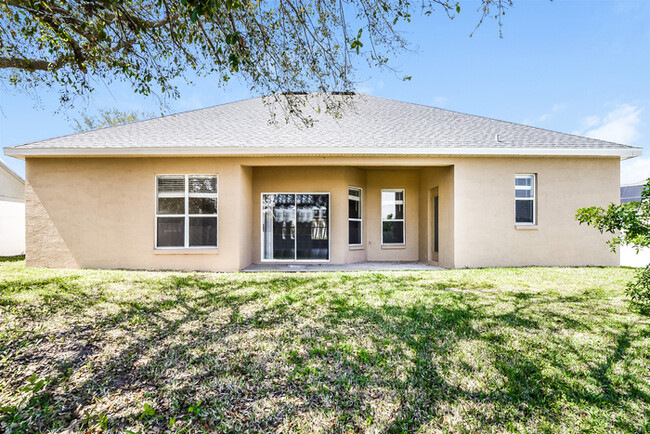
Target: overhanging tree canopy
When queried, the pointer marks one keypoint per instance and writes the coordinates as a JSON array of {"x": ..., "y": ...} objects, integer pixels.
[{"x": 274, "y": 46}]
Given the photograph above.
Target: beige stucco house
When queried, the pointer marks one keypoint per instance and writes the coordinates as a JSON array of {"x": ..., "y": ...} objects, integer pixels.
[{"x": 221, "y": 188}]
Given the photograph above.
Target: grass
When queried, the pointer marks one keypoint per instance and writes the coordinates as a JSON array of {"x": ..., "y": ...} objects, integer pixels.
[
  {"x": 492, "y": 350},
  {"x": 12, "y": 258}
]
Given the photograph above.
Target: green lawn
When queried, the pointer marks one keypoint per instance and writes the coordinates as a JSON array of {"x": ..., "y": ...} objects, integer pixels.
[{"x": 515, "y": 350}]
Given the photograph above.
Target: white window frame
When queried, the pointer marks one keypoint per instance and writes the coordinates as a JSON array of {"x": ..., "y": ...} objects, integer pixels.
[
  {"x": 186, "y": 215},
  {"x": 403, "y": 219},
  {"x": 360, "y": 219},
  {"x": 533, "y": 197}
]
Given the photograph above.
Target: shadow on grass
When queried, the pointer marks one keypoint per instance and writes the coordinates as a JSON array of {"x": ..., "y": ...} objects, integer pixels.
[
  {"x": 55, "y": 294},
  {"x": 287, "y": 352}
]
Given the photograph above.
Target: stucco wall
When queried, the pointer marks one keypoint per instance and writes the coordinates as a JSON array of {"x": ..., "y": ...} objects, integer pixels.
[
  {"x": 333, "y": 180},
  {"x": 378, "y": 179},
  {"x": 100, "y": 212},
  {"x": 485, "y": 232},
  {"x": 442, "y": 179},
  {"x": 246, "y": 216},
  {"x": 336, "y": 181}
]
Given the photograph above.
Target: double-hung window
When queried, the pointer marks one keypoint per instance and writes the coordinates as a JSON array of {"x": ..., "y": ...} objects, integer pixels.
[
  {"x": 354, "y": 216},
  {"x": 525, "y": 199},
  {"x": 186, "y": 211},
  {"x": 392, "y": 216}
]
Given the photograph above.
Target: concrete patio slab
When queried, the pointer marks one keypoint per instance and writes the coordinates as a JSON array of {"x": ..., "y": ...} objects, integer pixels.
[{"x": 360, "y": 266}]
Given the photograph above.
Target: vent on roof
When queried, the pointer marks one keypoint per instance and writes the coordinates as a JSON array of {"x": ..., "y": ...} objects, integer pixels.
[
  {"x": 497, "y": 138},
  {"x": 342, "y": 92},
  {"x": 294, "y": 93}
]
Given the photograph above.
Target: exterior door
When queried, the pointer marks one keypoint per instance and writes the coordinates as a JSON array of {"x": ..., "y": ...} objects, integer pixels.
[{"x": 295, "y": 226}]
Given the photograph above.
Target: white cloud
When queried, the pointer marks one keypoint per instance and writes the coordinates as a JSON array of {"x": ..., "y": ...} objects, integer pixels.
[
  {"x": 590, "y": 122},
  {"x": 369, "y": 87},
  {"x": 635, "y": 170},
  {"x": 556, "y": 108},
  {"x": 619, "y": 125},
  {"x": 365, "y": 89}
]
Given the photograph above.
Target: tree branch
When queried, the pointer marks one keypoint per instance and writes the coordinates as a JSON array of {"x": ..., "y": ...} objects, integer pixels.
[{"x": 31, "y": 65}]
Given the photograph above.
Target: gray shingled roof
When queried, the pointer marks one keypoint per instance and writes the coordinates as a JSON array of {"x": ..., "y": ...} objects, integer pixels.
[{"x": 372, "y": 126}]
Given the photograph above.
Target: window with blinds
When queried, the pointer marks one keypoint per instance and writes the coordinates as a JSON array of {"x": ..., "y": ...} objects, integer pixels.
[{"x": 186, "y": 211}]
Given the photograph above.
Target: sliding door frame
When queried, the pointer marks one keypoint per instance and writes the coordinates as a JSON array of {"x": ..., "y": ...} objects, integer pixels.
[{"x": 295, "y": 241}]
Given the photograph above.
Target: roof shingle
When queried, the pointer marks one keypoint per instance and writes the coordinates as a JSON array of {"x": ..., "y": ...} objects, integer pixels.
[{"x": 372, "y": 124}]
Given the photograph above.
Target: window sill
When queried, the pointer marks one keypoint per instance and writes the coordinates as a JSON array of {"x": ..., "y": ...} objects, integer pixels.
[
  {"x": 526, "y": 227},
  {"x": 207, "y": 251},
  {"x": 361, "y": 247},
  {"x": 393, "y": 246}
]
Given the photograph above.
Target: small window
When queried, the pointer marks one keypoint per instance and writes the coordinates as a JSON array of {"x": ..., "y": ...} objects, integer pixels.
[
  {"x": 392, "y": 216},
  {"x": 354, "y": 216},
  {"x": 186, "y": 211},
  {"x": 525, "y": 199}
]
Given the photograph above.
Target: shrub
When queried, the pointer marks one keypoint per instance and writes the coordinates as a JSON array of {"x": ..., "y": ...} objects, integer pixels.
[{"x": 638, "y": 290}]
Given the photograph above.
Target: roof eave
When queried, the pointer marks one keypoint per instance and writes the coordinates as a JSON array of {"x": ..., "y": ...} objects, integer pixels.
[{"x": 623, "y": 153}]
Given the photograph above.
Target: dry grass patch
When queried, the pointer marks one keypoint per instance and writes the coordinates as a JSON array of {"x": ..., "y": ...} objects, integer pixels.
[{"x": 531, "y": 349}]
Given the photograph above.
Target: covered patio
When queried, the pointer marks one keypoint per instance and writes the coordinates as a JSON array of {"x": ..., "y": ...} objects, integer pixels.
[{"x": 359, "y": 266}]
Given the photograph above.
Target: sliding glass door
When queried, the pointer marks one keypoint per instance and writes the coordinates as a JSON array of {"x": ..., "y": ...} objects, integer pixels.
[{"x": 295, "y": 227}]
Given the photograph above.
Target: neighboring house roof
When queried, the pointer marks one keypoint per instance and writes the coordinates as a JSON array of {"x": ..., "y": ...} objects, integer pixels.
[
  {"x": 373, "y": 125},
  {"x": 632, "y": 192},
  {"x": 7, "y": 169},
  {"x": 12, "y": 186}
]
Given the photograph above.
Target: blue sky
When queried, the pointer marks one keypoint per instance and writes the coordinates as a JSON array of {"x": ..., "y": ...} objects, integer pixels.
[{"x": 576, "y": 66}]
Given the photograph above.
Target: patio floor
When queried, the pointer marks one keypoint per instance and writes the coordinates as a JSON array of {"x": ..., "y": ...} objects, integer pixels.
[{"x": 359, "y": 266}]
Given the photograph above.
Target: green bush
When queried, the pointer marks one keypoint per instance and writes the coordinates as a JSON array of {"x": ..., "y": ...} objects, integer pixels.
[
  {"x": 630, "y": 224},
  {"x": 639, "y": 291}
]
